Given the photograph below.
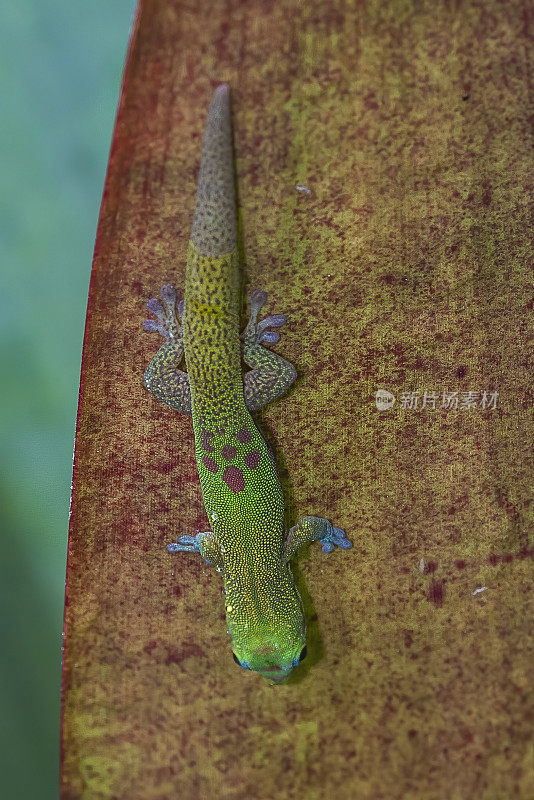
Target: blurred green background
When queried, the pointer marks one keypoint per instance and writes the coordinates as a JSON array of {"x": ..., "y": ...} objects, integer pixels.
[{"x": 60, "y": 70}]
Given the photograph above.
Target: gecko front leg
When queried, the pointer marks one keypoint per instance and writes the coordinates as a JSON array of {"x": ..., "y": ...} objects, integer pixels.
[
  {"x": 313, "y": 529},
  {"x": 271, "y": 375},
  {"x": 162, "y": 376}
]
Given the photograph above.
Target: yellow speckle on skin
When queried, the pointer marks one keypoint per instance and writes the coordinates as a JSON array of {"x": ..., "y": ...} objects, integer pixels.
[{"x": 228, "y": 609}]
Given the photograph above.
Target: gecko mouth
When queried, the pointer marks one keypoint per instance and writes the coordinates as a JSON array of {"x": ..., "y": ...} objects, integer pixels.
[{"x": 274, "y": 674}]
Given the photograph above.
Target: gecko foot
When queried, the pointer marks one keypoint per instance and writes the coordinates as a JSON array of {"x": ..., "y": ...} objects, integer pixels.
[
  {"x": 257, "y": 332},
  {"x": 270, "y": 374},
  {"x": 188, "y": 544},
  {"x": 166, "y": 322},
  {"x": 203, "y": 543},
  {"x": 335, "y": 537}
]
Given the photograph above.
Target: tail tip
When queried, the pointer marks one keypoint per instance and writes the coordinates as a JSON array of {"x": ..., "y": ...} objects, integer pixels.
[
  {"x": 222, "y": 90},
  {"x": 220, "y": 101}
]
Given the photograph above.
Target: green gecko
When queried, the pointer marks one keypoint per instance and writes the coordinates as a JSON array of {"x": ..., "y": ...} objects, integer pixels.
[{"x": 240, "y": 487}]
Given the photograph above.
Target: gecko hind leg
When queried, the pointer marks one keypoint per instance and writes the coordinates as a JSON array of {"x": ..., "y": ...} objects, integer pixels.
[
  {"x": 162, "y": 376},
  {"x": 270, "y": 374}
]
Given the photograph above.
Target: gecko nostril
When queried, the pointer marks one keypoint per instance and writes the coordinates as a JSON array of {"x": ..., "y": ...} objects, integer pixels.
[{"x": 266, "y": 650}]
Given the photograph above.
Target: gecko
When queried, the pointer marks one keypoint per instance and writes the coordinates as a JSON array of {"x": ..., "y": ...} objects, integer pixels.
[{"x": 241, "y": 491}]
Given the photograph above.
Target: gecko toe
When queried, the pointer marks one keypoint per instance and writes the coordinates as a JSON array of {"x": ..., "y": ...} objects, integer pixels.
[
  {"x": 151, "y": 325},
  {"x": 273, "y": 321},
  {"x": 155, "y": 307},
  {"x": 184, "y": 543},
  {"x": 344, "y": 543},
  {"x": 336, "y": 537},
  {"x": 339, "y": 537},
  {"x": 168, "y": 293},
  {"x": 258, "y": 298},
  {"x": 269, "y": 336},
  {"x": 167, "y": 323}
]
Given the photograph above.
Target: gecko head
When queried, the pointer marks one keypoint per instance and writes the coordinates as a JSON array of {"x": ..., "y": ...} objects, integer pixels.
[
  {"x": 269, "y": 662},
  {"x": 265, "y": 620},
  {"x": 270, "y": 644}
]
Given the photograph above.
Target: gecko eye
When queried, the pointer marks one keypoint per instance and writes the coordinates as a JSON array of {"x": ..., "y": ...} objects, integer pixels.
[
  {"x": 303, "y": 654},
  {"x": 242, "y": 664}
]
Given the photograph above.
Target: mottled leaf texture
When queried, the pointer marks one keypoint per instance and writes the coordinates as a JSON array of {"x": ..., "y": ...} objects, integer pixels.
[{"x": 384, "y": 172}]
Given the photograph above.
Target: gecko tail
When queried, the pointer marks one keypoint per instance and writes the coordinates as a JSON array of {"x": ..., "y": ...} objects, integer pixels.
[{"x": 214, "y": 222}]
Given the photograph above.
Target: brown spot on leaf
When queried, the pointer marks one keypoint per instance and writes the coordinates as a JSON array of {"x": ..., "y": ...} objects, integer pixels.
[
  {"x": 436, "y": 593},
  {"x": 175, "y": 655}
]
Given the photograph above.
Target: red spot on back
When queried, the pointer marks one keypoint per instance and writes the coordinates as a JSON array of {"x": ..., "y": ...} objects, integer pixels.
[
  {"x": 206, "y": 441},
  {"x": 229, "y": 452},
  {"x": 244, "y": 436},
  {"x": 233, "y": 478},
  {"x": 209, "y": 463},
  {"x": 252, "y": 459}
]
